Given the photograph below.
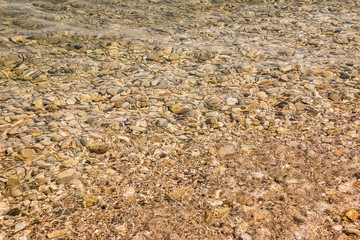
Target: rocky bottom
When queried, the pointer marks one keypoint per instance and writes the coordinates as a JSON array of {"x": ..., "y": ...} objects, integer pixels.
[{"x": 199, "y": 119}]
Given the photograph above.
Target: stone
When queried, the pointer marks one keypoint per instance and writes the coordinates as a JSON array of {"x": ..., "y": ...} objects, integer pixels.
[
  {"x": 56, "y": 137},
  {"x": 351, "y": 215},
  {"x": 99, "y": 148},
  {"x": 286, "y": 68},
  {"x": 178, "y": 108},
  {"x": 231, "y": 101},
  {"x": 227, "y": 150},
  {"x": 28, "y": 154},
  {"x": 174, "y": 57},
  {"x": 341, "y": 236},
  {"x": 183, "y": 193},
  {"x": 248, "y": 149},
  {"x": 162, "y": 122},
  {"x": 327, "y": 74},
  {"x": 69, "y": 163},
  {"x": 153, "y": 57},
  {"x": 89, "y": 200},
  {"x": 15, "y": 192},
  {"x": 4, "y": 208},
  {"x": 20, "y": 226},
  {"x": 17, "y": 39},
  {"x": 281, "y": 130},
  {"x": 56, "y": 233},
  {"x": 129, "y": 192},
  {"x": 352, "y": 232},
  {"x": 212, "y": 150},
  {"x": 245, "y": 236},
  {"x": 67, "y": 176},
  {"x": 70, "y": 100},
  {"x": 38, "y": 103}
]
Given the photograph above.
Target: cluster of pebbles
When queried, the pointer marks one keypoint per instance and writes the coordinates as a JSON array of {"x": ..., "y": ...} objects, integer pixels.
[{"x": 172, "y": 119}]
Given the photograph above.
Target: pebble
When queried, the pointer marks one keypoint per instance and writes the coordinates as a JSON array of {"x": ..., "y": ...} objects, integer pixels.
[
  {"x": 56, "y": 233},
  {"x": 99, "y": 148},
  {"x": 129, "y": 192},
  {"x": 153, "y": 57},
  {"x": 352, "y": 232},
  {"x": 67, "y": 176},
  {"x": 20, "y": 226},
  {"x": 28, "y": 154},
  {"x": 231, "y": 101},
  {"x": 89, "y": 200},
  {"x": 351, "y": 215},
  {"x": 178, "y": 109},
  {"x": 227, "y": 150},
  {"x": 245, "y": 236},
  {"x": 4, "y": 207},
  {"x": 162, "y": 122}
]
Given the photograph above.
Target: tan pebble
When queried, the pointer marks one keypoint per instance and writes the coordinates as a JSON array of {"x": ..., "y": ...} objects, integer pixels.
[
  {"x": 129, "y": 192},
  {"x": 178, "y": 109},
  {"x": 285, "y": 68},
  {"x": 99, "y": 148},
  {"x": 212, "y": 150},
  {"x": 299, "y": 106},
  {"x": 249, "y": 69},
  {"x": 281, "y": 130},
  {"x": 351, "y": 215},
  {"x": 69, "y": 117},
  {"x": 20, "y": 226},
  {"x": 56, "y": 137},
  {"x": 38, "y": 103},
  {"x": 327, "y": 74},
  {"x": 153, "y": 57},
  {"x": 338, "y": 153},
  {"x": 15, "y": 192},
  {"x": 69, "y": 163},
  {"x": 352, "y": 232},
  {"x": 89, "y": 200},
  {"x": 181, "y": 193},
  {"x": 66, "y": 176},
  {"x": 17, "y": 39},
  {"x": 28, "y": 153},
  {"x": 56, "y": 233},
  {"x": 341, "y": 236},
  {"x": 227, "y": 150},
  {"x": 66, "y": 144},
  {"x": 174, "y": 56},
  {"x": 217, "y": 213}
]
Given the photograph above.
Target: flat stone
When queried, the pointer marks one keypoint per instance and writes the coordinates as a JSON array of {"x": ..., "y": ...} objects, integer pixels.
[
  {"x": 178, "y": 108},
  {"x": 56, "y": 233},
  {"x": 285, "y": 68},
  {"x": 351, "y": 215},
  {"x": 162, "y": 122},
  {"x": 99, "y": 148},
  {"x": 69, "y": 163},
  {"x": 153, "y": 57},
  {"x": 352, "y": 231},
  {"x": 67, "y": 176},
  {"x": 231, "y": 101},
  {"x": 227, "y": 150},
  {"x": 28, "y": 153},
  {"x": 20, "y": 226},
  {"x": 89, "y": 200},
  {"x": 129, "y": 192},
  {"x": 15, "y": 192},
  {"x": 4, "y": 207},
  {"x": 17, "y": 39}
]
